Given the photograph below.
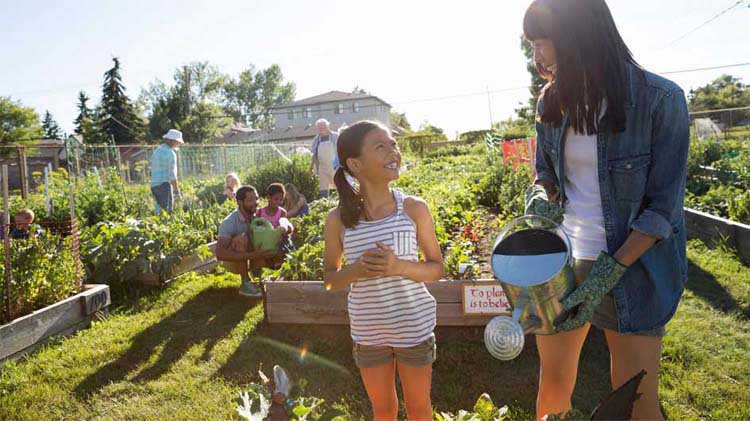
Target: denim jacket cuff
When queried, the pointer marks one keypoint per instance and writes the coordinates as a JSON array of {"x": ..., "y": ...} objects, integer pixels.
[
  {"x": 545, "y": 176},
  {"x": 653, "y": 224}
]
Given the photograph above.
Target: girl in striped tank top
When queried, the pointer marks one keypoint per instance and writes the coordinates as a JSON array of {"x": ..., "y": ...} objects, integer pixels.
[{"x": 379, "y": 231}]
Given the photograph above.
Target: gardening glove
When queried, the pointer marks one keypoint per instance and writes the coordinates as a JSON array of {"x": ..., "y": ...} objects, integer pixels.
[
  {"x": 538, "y": 204},
  {"x": 603, "y": 276}
]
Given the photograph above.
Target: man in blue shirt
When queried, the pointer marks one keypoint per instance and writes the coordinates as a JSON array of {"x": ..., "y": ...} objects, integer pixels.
[{"x": 164, "y": 185}]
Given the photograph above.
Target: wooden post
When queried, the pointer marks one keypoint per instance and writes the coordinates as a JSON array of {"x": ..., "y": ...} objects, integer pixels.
[
  {"x": 6, "y": 249},
  {"x": 23, "y": 173},
  {"x": 72, "y": 201},
  {"x": 56, "y": 159},
  {"x": 47, "y": 202}
]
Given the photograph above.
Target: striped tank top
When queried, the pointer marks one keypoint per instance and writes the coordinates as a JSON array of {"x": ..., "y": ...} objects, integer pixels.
[{"x": 393, "y": 310}]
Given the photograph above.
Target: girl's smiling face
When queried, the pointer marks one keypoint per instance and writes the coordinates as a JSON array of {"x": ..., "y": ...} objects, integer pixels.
[
  {"x": 380, "y": 158},
  {"x": 275, "y": 200}
]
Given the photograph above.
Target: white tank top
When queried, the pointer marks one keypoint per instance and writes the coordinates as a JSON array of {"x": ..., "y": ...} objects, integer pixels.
[
  {"x": 390, "y": 311},
  {"x": 584, "y": 220}
]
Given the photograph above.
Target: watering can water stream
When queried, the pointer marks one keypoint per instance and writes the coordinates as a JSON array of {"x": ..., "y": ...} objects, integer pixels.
[{"x": 532, "y": 259}]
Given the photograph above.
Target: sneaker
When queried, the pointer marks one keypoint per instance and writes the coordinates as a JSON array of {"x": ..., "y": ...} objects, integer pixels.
[{"x": 248, "y": 289}]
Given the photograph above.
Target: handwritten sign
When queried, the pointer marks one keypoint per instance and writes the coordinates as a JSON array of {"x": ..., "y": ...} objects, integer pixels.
[{"x": 484, "y": 299}]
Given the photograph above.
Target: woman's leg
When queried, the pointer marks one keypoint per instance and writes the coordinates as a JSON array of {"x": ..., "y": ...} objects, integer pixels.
[
  {"x": 380, "y": 383},
  {"x": 629, "y": 355},
  {"x": 558, "y": 370},
  {"x": 416, "y": 382}
]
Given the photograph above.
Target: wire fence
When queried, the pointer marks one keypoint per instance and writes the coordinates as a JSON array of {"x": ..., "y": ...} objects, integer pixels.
[{"x": 29, "y": 164}]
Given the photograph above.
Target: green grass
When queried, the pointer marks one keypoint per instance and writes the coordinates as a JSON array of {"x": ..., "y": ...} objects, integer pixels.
[{"x": 185, "y": 352}]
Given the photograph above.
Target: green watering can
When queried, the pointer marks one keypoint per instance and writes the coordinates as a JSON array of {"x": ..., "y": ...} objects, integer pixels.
[{"x": 265, "y": 236}]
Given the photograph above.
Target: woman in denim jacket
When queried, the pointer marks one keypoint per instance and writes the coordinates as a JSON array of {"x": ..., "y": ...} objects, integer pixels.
[{"x": 612, "y": 144}]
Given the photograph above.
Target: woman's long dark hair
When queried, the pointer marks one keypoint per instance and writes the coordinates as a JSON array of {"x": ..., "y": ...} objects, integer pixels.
[
  {"x": 351, "y": 139},
  {"x": 592, "y": 63}
]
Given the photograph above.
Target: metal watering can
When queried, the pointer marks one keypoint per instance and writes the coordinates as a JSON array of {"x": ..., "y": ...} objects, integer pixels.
[{"x": 533, "y": 261}]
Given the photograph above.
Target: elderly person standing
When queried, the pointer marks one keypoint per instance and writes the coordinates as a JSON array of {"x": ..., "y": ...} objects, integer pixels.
[
  {"x": 164, "y": 185},
  {"x": 324, "y": 160}
]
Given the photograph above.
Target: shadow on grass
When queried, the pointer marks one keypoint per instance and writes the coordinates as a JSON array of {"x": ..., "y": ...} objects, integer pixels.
[
  {"x": 206, "y": 318},
  {"x": 462, "y": 372},
  {"x": 705, "y": 285}
]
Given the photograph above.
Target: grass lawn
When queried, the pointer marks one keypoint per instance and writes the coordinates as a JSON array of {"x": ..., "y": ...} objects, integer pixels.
[{"x": 185, "y": 352}]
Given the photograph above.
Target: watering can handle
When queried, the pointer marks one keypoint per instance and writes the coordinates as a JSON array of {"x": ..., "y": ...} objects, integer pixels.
[
  {"x": 262, "y": 222},
  {"x": 525, "y": 218}
]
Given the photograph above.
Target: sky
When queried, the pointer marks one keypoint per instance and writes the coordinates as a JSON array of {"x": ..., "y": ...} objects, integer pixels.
[{"x": 433, "y": 60}]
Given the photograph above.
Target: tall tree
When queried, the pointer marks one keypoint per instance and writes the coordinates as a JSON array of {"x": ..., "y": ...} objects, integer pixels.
[
  {"x": 399, "y": 121},
  {"x": 723, "y": 92},
  {"x": 191, "y": 104},
  {"x": 18, "y": 124},
  {"x": 119, "y": 119},
  {"x": 51, "y": 128},
  {"x": 84, "y": 115},
  {"x": 249, "y": 98},
  {"x": 528, "y": 111}
]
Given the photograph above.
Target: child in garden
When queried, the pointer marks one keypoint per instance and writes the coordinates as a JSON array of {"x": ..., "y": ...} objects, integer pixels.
[
  {"x": 277, "y": 215},
  {"x": 295, "y": 202},
  {"x": 379, "y": 231},
  {"x": 25, "y": 226},
  {"x": 231, "y": 185}
]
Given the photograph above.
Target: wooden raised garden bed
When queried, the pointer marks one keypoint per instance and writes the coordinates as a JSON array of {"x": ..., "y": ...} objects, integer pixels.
[
  {"x": 713, "y": 229},
  {"x": 26, "y": 333},
  {"x": 190, "y": 263},
  {"x": 308, "y": 302}
]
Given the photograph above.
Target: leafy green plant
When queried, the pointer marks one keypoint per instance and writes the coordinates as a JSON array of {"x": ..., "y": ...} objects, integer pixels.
[
  {"x": 484, "y": 410},
  {"x": 43, "y": 272}
]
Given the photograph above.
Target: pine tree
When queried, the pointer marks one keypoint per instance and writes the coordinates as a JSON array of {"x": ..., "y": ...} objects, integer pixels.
[
  {"x": 84, "y": 115},
  {"x": 119, "y": 119},
  {"x": 51, "y": 128}
]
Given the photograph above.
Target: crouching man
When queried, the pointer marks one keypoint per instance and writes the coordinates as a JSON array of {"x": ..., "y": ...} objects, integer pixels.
[{"x": 234, "y": 247}]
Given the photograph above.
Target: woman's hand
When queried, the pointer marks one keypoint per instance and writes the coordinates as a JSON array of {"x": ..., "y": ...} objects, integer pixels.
[{"x": 380, "y": 261}]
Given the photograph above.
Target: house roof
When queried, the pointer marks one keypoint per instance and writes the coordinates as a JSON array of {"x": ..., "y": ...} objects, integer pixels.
[
  {"x": 290, "y": 133},
  {"x": 332, "y": 96}
]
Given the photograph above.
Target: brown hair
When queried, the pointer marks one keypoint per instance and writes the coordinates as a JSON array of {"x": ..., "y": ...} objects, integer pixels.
[
  {"x": 292, "y": 196},
  {"x": 349, "y": 145},
  {"x": 243, "y": 191},
  {"x": 275, "y": 188},
  {"x": 592, "y": 63}
]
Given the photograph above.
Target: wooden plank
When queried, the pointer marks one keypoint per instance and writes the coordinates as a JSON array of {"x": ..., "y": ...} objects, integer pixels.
[
  {"x": 335, "y": 313},
  {"x": 59, "y": 318},
  {"x": 95, "y": 298},
  {"x": 315, "y": 292}
]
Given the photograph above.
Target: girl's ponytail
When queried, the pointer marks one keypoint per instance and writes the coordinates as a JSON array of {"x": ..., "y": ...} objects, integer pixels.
[
  {"x": 349, "y": 145},
  {"x": 350, "y": 202}
]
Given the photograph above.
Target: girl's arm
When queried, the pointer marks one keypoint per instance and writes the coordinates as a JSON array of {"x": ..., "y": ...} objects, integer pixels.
[
  {"x": 385, "y": 263},
  {"x": 334, "y": 276}
]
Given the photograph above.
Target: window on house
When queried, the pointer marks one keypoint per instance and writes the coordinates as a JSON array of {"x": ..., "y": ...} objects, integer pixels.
[
  {"x": 291, "y": 114},
  {"x": 340, "y": 108},
  {"x": 355, "y": 107},
  {"x": 308, "y": 112}
]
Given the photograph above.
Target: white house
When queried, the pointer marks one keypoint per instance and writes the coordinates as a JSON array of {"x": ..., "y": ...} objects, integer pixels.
[{"x": 295, "y": 121}]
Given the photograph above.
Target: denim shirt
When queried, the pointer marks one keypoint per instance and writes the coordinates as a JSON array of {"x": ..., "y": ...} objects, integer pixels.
[{"x": 641, "y": 173}]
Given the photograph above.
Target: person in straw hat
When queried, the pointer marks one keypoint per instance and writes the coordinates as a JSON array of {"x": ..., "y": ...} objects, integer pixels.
[{"x": 164, "y": 185}]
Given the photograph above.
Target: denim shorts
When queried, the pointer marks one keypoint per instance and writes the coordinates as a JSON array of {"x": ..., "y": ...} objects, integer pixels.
[
  {"x": 163, "y": 196},
  {"x": 367, "y": 356},
  {"x": 605, "y": 316}
]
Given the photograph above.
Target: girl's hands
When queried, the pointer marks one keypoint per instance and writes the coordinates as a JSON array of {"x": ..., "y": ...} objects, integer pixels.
[{"x": 380, "y": 261}]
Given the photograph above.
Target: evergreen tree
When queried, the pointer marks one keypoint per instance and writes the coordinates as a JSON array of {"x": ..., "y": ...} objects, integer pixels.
[
  {"x": 51, "y": 128},
  {"x": 84, "y": 115},
  {"x": 528, "y": 112},
  {"x": 119, "y": 120}
]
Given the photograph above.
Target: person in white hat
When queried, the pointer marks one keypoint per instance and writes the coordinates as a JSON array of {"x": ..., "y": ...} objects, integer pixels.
[{"x": 164, "y": 185}]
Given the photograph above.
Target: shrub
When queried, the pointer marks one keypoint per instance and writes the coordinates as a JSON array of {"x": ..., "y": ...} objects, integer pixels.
[{"x": 282, "y": 171}]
